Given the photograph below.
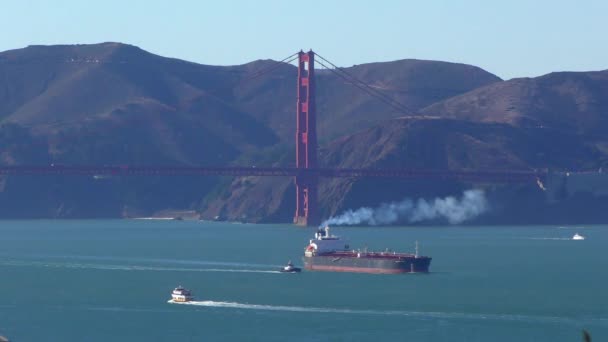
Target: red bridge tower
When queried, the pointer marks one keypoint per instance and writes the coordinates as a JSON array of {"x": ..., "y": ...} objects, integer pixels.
[{"x": 306, "y": 142}]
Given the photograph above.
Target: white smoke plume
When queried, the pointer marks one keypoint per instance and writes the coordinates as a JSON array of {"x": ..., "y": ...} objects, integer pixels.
[{"x": 472, "y": 204}]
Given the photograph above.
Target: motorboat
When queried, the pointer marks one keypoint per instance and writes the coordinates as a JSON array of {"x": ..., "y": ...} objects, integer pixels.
[
  {"x": 578, "y": 237},
  {"x": 181, "y": 294},
  {"x": 290, "y": 268}
]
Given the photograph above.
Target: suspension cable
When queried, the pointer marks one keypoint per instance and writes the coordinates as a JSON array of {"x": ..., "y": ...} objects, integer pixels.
[
  {"x": 340, "y": 72},
  {"x": 370, "y": 90},
  {"x": 367, "y": 88},
  {"x": 272, "y": 67}
]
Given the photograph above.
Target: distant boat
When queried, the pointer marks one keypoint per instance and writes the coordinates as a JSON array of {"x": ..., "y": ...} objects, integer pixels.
[
  {"x": 181, "y": 294},
  {"x": 578, "y": 237},
  {"x": 290, "y": 268}
]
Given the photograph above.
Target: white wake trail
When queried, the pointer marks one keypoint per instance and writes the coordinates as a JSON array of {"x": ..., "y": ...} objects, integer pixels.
[
  {"x": 414, "y": 314},
  {"x": 127, "y": 267}
]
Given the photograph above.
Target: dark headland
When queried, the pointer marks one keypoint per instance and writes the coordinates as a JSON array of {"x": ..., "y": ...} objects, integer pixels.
[{"x": 116, "y": 104}]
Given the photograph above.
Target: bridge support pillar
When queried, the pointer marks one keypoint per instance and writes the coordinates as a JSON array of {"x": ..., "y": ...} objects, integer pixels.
[
  {"x": 306, "y": 142},
  {"x": 306, "y": 201}
]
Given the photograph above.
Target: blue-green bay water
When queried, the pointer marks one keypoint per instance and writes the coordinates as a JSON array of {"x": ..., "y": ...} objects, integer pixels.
[{"x": 109, "y": 280}]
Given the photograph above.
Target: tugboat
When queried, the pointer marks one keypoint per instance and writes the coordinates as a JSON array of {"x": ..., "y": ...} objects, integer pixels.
[
  {"x": 290, "y": 268},
  {"x": 181, "y": 295},
  {"x": 578, "y": 237}
]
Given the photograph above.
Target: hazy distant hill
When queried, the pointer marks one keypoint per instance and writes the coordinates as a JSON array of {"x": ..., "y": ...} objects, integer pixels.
[
  {"x": 556, "y": 121},
  {"x": 427, "y": 143},
  {"x": 568, "y": 101},
  {"x": 343, "y": 108},
  {"x": 113, "y": 104}
]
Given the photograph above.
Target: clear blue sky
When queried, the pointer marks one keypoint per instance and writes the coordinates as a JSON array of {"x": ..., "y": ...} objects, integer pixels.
[{"x": 513, "y": 38}]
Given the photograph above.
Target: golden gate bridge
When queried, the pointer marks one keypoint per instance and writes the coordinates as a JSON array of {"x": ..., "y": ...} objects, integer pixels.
[{"x": 306, "y": 172}]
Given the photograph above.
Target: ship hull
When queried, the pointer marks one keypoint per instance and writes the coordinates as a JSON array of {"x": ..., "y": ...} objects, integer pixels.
[{"x": 362, "y": 264}]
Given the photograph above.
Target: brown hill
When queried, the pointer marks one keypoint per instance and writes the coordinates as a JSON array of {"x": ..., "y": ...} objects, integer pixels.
[
  {"x": 104, "y": 89},
  {"x": 572, "y": 101},
  {"x": 343, "y": 108},
  {"x": 117, "y": 104},
  {"x": 438, "y": 144},
  {"x": 555, "y": 121},
  {"x": 112, "y": 103}
]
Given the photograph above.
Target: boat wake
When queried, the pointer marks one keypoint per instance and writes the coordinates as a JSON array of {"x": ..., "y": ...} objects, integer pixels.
[
  {"x": 549, "y": 238},
  {"x": 132, "y": 260},
  {"x": 413, "y": 314},
  {"x": 125, "y": 267}
]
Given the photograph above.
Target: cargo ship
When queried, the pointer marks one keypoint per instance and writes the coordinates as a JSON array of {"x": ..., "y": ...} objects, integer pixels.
[{"x": 328, "y": 252}]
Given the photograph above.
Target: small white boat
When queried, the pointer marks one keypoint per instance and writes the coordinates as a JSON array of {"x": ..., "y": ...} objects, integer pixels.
[
  {"x": 181, "y": 294},
  {"x": 578, "y": 237},
  {"x": 290, "y": 268}
]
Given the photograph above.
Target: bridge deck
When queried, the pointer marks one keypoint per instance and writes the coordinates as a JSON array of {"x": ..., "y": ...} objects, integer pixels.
[{"x": 470, "y": 175}]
